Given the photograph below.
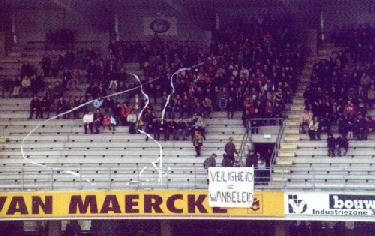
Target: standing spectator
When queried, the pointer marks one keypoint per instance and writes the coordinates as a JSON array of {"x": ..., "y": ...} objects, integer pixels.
[
  {"x": 251, "y": 159},
  {"x": 131, "y": 119},
  {"x": 227, "y": 161},
  {"x": 46, "y": 65},
  {"x": 199, "y": 125},
  {"x": 342, "y": 145},
  {"x": 231, "y": 107},
  {"x": 98, "y": 117},
  {"x": 73, "y": 229},
  {"x": 230, "y": 149},
  {"x": 35, "y": 107},
  {"x": 46, "y": 105},
  {"x": 88, "y": 119},
  {"x": 198, "y": 143},
  {"x": 156, "y": 128},
  {"x": 164, "y": 128},
  {"x": 61, "y": 106},
  {"x": 331, "y": 145},
  {"x": 210, "y": 161},
  {"x": 147, "y": 121}
]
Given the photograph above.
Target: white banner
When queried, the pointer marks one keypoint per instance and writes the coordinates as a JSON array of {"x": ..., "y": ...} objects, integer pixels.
[
  {"x": 160, "y": 25},
  {"x": 231, "y": 186},
  {"x": 329, "y": 204}
]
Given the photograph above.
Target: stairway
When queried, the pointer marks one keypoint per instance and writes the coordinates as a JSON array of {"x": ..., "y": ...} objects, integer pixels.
[{"x": 291, "y": 136}]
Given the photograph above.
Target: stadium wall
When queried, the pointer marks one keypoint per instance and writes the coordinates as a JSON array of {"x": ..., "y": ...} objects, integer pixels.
[
  {"x": 341, "y": 13},
  {"x": 131, "y": 25},
  {"x": 33, "y": 24}
]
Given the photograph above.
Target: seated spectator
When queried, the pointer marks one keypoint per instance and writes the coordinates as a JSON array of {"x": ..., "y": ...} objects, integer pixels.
[
  {"x": 207, "y": 106},
  {"x": 72, "y": 83},
  {"x": 361, "y": 128},
  {"x": 82, "y": 109},
  {"x": 106, "y": 122},
  {"x": 125, "y": 110},
  {"x": 61, "y": 106},
  {"x": 91, "y": 91},
  {"x": 314, "y": 129},
  {"x": 306, "y": 119},
  {"x": 25, "y": 85},
  {"x": 113, "y": 123},
  {"x": 88, "y": 119},
  {"x": 342, "y": 146},
  {"x": 181, "y": 130},
  {"x": 36, "y": 84},
  {"x": 164, "y": 129},
  {"x": 148, "y": 118},
  {"x": 70, "y": 104},
  {"x": 171, "y": 129},
  {"x": 331, "y": 145},
  {"x": 371, "y": 96},
  {"x": 16, "y": 92},
  {"x": 6, "y": 86}
]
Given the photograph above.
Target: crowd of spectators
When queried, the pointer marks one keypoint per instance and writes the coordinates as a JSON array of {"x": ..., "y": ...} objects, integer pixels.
[
  {"x": 342, "y": 90},
  {"x": 249, "y": 69}
]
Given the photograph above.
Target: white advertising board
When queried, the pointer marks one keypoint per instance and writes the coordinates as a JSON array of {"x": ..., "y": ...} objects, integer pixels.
[
  {"x": 231, "y": 186},
  {"x": 329, "y": 204}
]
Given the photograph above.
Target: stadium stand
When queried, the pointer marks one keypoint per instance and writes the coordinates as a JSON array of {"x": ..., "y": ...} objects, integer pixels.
[
  {"x": 115, "y": 159},
  {"x": 303, "y": 163},
  {"x": 279, "y": 85}
]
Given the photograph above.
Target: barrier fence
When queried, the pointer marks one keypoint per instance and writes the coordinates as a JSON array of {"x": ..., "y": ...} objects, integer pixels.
[{"x": 54, "y": 177}]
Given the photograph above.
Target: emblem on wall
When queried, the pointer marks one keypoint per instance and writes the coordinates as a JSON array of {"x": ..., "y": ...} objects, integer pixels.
[{"x": 160, "y": 25}]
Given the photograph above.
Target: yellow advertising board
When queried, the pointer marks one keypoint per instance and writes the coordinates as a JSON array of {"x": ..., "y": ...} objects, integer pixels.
[{"x": 127, "y": 204}]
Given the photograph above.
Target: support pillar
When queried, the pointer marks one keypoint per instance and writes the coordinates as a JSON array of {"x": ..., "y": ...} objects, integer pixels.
[
  {"x": 312, "y": 41},
  {"x": 14, "y": 35},
  {"x": 54, "y": 228},
  {"x": 166, "y": 228},
  {"x": 116, "y": 26},
  {"x": 281, "y": 228}
]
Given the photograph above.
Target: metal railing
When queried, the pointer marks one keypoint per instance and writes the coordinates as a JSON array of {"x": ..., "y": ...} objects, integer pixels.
[
  {"x": 256, "y": 124},
  {"x": 108, "y": 178},
  {"x": 245, "y": 140},
  {"x": 276, "y": 147},
  {"x": 128, "y": 178}
]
